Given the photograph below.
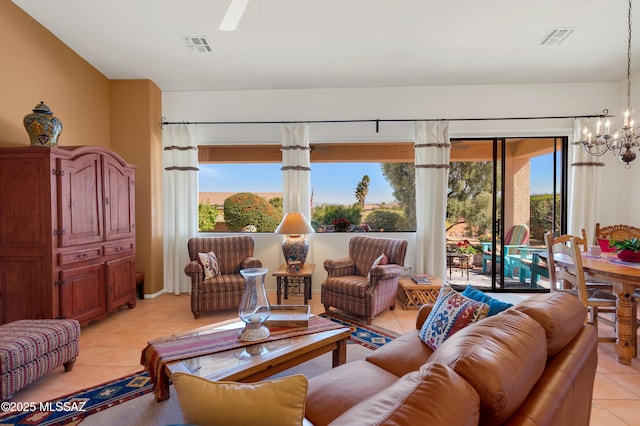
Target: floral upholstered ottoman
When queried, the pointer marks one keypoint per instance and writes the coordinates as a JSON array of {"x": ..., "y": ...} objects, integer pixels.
[{"x": 29, "y": 349}]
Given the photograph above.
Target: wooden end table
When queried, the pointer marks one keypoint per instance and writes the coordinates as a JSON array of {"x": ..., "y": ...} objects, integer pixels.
[
  {"x": 413, "y": 295},
  {"x": 283, "y": 273}
]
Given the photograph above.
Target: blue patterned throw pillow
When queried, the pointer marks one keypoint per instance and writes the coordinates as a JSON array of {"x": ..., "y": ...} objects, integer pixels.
[
  {"x": 495, "y": 305},
  {"x": 451, "y": 312}
]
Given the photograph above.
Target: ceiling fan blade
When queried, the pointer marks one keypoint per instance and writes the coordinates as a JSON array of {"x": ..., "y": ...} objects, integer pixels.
[{"x": 234, "y": 14}]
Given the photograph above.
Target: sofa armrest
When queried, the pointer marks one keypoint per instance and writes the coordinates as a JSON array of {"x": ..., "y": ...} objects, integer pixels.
[
  {"x": 339, "y": 267},
  {"x": 251, "y": 262},
  {"x": 423, "y": 313}
]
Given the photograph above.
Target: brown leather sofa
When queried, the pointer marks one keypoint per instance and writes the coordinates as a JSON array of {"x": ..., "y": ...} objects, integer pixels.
[{"x": 533, "y": 364}]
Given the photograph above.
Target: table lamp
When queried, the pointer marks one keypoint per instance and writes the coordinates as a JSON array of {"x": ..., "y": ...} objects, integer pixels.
[{"x": 295, "y": 247}]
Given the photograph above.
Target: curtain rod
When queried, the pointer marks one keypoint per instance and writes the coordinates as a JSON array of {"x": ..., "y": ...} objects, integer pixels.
[{"x": 605, "y": 113}]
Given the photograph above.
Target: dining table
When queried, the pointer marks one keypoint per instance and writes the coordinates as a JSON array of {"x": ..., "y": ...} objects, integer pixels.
[{"x": 625, "y": 279}]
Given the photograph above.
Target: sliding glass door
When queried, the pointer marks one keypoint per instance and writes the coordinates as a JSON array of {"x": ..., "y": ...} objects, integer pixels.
[{"x": 515, "y": 192}]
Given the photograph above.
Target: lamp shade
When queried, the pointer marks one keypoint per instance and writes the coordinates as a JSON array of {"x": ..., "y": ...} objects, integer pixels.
[
  {"x": 295, "y": 247},
  {"x": 294, "y": 223}
]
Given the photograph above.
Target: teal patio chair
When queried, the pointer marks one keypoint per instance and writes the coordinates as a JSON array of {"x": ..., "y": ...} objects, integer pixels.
[{"x": 516, "y": 238}]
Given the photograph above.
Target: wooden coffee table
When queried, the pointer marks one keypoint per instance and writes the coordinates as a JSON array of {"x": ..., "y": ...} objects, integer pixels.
[
  {"x": 261, "y": 360},
  {"x": 413, "y": 295}
]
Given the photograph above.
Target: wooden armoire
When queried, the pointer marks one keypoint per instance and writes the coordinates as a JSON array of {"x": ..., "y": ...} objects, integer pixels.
[{"x": 67, "y": 233}]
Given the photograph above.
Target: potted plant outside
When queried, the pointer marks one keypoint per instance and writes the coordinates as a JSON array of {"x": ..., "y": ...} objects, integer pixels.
[{"x": 629, "y": 250}]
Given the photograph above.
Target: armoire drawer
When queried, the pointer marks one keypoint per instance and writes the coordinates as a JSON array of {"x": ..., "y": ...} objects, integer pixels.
[
  {"x": 79, "y": 256},
  {"x": 121, "y": 248}
]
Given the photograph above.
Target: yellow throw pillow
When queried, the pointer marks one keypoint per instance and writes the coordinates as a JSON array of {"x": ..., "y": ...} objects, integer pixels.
[{"x": 271, "y": 402}]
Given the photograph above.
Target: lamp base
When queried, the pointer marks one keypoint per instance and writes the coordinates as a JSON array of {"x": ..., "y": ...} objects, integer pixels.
[
  {"x": 254, "y": 331},
  {"x": 295, "y": 249}
]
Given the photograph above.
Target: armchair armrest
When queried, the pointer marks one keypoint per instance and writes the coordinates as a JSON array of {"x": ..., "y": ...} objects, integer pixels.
[
  {"x": 339, "y": 267},
  {"x": 251, "y": 262},
  {"x": 384, "y": 272},
  {"x": 194, "y": 270}
]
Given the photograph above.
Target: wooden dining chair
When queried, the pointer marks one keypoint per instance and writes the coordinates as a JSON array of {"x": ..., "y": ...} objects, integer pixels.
[
  {"x": 617, "y": 232},
  {"x": 572, "y": 280}
]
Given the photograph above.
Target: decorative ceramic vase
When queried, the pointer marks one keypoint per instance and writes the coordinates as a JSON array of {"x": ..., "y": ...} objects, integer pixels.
[
  {"x": 254, "y": 306},
  {"x": 295, "y": 249},
  {"x": 43, "y": 128},
  {"x": 629, "y": 256}
]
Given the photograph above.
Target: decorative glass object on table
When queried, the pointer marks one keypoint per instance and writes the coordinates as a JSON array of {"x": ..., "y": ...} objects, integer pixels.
[{"x": 254, "y": 306}]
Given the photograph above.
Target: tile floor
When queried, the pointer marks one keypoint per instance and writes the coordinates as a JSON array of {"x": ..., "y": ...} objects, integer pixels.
[{"x": 111, "y": 349}]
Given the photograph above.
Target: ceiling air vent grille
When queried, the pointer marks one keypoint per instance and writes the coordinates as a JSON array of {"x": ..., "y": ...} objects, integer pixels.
[
  {"x": 198, "y": 44},
  {"x": 556, "y": 36}
]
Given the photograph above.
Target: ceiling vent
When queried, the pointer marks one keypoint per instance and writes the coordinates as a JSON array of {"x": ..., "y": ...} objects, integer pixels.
[
  {"x": 198, "y": 44},
  {"x": 556, "y": 36}
]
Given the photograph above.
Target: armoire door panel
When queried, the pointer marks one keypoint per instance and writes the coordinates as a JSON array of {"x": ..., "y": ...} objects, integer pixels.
[
  {"x": 121, "y": 283},
  {"x": 82, "y": 293},
  {"x": 80, "y": 200},
  {"x": 119, "y": 200}
]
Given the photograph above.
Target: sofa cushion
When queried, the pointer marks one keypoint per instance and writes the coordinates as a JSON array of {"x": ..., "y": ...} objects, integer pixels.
[
  {"x": 560, "y": 314},
  {"x": 405, "y": 354},
  {"x": 495, "y": 306},
  {"x": 451, "y": 313},
  {"x": 209, "y": 264},
  {"x": 502, "y": 357},
  {"x": 272, "y": 402},
  {"x": 337, "y": 390},
  {"x": 408, "y": 401}
]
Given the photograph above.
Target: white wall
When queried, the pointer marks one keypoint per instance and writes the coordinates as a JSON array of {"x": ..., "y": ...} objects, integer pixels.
[{"x": 620, "y": 194}]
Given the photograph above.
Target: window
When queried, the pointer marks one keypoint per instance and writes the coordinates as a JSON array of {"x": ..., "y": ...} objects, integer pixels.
[{"x": 335, "y": 179}]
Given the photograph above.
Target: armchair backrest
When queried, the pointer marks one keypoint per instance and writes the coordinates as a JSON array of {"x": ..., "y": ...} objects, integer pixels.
[
  {"x": 364, "y": 250},
  {"x": 230, "y": 251},
  {"x": 517, "y": 235}
]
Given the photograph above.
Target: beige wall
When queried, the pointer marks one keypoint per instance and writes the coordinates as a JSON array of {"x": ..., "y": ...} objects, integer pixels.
[
  {"x": 136, "y": 135},
  {"x": 121, "y": 115},
  {"x": 36, "y": 66}
]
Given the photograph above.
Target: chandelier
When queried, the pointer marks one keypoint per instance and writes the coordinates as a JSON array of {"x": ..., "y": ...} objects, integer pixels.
[{"x": 623, "y": 142}]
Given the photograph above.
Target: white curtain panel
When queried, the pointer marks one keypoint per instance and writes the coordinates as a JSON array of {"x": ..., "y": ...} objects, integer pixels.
[
  {"x": 180, "y": 203},
  {"x": 432, "y": 152},
  {"x": 296, "y": 169},
  {"x": 586, "y": 178}
]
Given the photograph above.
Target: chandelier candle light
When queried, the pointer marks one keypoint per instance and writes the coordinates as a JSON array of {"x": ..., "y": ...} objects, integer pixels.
[
  {"x": 295, "y": 247},
  {"x": 625, "y": 140}
]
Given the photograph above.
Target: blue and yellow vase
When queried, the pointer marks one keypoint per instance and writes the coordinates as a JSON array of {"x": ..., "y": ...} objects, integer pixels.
[{"x": 43, "y": 128}]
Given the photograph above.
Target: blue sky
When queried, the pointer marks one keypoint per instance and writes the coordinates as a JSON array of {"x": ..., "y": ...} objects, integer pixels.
[{"x": 332, "y": 183}]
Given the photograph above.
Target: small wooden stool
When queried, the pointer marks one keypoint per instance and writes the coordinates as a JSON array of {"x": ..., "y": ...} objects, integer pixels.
[{"x": 140, "y": 284}]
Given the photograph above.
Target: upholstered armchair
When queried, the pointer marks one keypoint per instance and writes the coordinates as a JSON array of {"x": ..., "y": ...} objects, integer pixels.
[
  {"x": 224, "y": 289},
  {"x": 355, "y": 286}
]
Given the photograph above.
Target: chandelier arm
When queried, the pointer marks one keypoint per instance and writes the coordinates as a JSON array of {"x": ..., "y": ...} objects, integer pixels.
[{"x": 621, "y": 143}]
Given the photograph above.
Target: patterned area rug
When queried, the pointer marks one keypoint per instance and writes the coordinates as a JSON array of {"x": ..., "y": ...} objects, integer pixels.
[
  {"x": 366, "y": 335},
  {"x": 73, "y": 408}
]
